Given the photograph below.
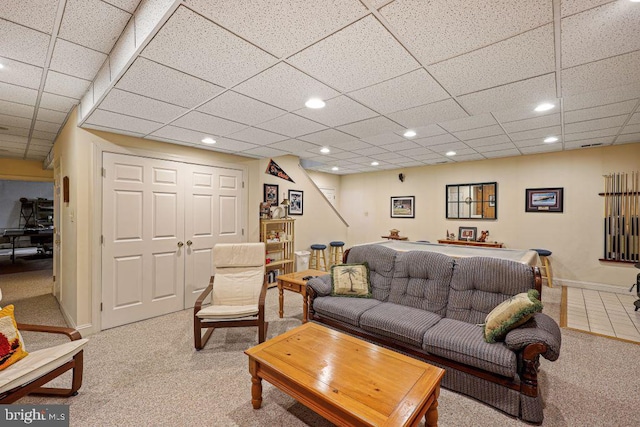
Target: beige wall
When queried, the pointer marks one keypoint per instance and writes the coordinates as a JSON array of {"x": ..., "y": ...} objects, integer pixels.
[
  {"x": 326, "y": 180},
  {"x": 575, "y": 237},
  {"x": 24, "y": 170}
]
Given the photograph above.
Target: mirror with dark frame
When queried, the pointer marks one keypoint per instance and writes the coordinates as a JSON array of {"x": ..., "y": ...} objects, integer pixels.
[{"x": 472, "y": 201}]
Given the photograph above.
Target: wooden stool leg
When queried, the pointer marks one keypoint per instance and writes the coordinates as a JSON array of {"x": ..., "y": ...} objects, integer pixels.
[
  {"x": 547, "y": 271},
  {"x": 324, "y": 262}
]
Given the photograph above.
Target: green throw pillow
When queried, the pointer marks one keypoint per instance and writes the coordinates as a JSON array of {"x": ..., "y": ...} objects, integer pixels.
[
  {"x": 350, "y": 280},
  {"x": 510, "y": 314}
]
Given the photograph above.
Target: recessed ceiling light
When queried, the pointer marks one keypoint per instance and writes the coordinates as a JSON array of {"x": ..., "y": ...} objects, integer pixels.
[
  {"x": 315, "y": 103},
  {"x": 325, "y": 150},
  {"x": 450, "y": 153},
  {"x": 1, "y": 66},
  {"x": 335, "y": 168},
  {"x": 635, "y": 1},
  {"x": 551, "y": 139},
  {"x": 209, "y": 141},
  {"x": 410, "y": 133},
  {"x": 545, "y": 106},
  {"x": 374, "y": 163}
]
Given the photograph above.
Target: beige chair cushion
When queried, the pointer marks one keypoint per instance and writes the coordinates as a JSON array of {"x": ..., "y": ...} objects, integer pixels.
[
  {"x": 226, "y": 312},
  {"x": 39, "y": 363},
  {"x": 239, "y": 255},
  {"x": 237, "y": 286}
]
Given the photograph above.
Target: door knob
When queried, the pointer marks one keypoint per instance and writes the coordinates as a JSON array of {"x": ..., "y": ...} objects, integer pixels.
[
  {"x": 180, "y": 244},
  {"x": 189, "y": 243}
]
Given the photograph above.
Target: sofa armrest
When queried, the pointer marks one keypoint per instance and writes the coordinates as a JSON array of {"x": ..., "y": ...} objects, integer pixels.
[
  {"x": 541, "y": 329},
  {"x": 321, "y": 285},
  {"x": 72, "y": 334}
]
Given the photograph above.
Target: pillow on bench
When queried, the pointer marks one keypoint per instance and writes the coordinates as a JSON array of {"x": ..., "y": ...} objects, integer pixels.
[
  {"x": 11, "y": 346},
  {"x": 510, "y": 314}
]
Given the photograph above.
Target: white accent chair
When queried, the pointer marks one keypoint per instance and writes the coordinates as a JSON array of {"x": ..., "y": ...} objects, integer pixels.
[{"x": 238, "y": 290}]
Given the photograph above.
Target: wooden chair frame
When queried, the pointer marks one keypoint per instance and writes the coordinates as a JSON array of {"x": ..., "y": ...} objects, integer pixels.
[
  {"x": 36, "y": 387},
  {"x": 198, "y": 324}
]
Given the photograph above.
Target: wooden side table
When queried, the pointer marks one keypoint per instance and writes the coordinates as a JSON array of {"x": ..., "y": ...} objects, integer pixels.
[
  {"x": 471, "y": 243},
  {"x": 293, "y": 282}
]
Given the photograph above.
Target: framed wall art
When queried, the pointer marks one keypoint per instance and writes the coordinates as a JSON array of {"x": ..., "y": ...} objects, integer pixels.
[
  {"x": 271, "y": 194},
  {"x": 403, "y": 207},
  {"x": 296, "y": 202},
  {"x": 467, "y": 233},
  {"x": 544, "y": 200}
]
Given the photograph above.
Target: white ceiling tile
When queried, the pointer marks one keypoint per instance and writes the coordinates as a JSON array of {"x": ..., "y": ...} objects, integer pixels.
[
  {"x": 535, "y": 133},
  {"x": 370, "y": 127},
  {"x": 15, "y": 109},
  {"x": 48, "y": 136},
  {"x": 295, "y": 146},
  {"x": 524, "y": 112},
  {"x": 496, "y": 147},
  {"x": 208, "y": 124},
  {"x": 75, "y": 60},
  {"x": 607, "y": 73},
  {"x": 128, "y": 5},
  {"x": 56, "y": 102},
  {"x": 194, "y": 137},
  {"x": 282, "y": 27},
  {"x": 18, "y": 94},
  {"x": 352, "y": 145},
  {"x": 285, "y": 87},
  {"x": 130, "y": 104},
  {"x": 441, "y": 29},
  {"x": 338, "y": 111},
  {"x": 257, "y": 136},
  {"x": 231, "y": 145},
  {"x": 402, "y": 146},
  {"x": 587, "y": 143},
  {"x": 92, "y": 23},
  {"x": 20, "y": 74},
  {"x": 569, "y": 7},
  {"x": 357, "y": 56},
  {"x": 346, "y": 155},
  {"x": 600, "y": 112},
  {"x": 576, "y": 136},
  {"x": 47, "y": 127},
  {"x": 530, "y": 142},
  {"x": 533, "y": 123},
  {"x": 634, "y": 119},
  {"x": 629, "y": 138},
  {"x": 117, "y": 121},
  {"x": 596, "y": 124},
  {"x": 412, "y": 153},
  {"x": 23, "y": 44},
  {"x": 527, "y": 55},
  {"x": 15, "y": 122},
  {"x": 534, "y": 90},
  {"x": 467, "y": 157},
  {"x": 383, "y": 138},
  {"x": 327, "y": 136},
  {"x": 148, "y": 15},
  {"x": 388, "y": 156},
  {"x": 112, "y": 130},
  {"x": 600, "y": 33},
  {"x": 491, "y": 140},
  {"x": 184, "y": 38},
  {"x": 373, "y": 151},
  {"x": 467, "y": 123},
  {"x": 240, "y": 108},
  {"x": 291, "y": 125},
  {"x": 502, "y": 153},
  {"x": 635, "y": 128},
  {"x": 12, "y": 130},
  {"x": 264, "y": 152},
  {"x": 402, "y": 92},
  {"x": 436, "y": 140},
  {"x": 36, "y": 14},
  {"x": 441, "y": 111},
  {"x": 13, "y": 140},
  {"x": 40, "y": 142},
  {"x": 123, "y": 50},
  {"x": 86, "y": 103},
  {"x": 102, "y": 80},
  {"x": 546, "y": 148},
  {"x": 168, "y": 85},
  {"x": 426, "y": 131},
  {"x": 484, "y": 132},
  {"x": 65, "y": 85},
  {"x": 459, "y": 147}
]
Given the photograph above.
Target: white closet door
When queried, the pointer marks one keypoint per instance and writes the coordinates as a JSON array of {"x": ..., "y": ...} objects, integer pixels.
[
  {"x": 143, "y": 230},
  {"x": 212, "y": 215}
]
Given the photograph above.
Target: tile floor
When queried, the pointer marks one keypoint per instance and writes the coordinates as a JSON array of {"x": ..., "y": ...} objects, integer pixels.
[{"x": 603, "y": 313}]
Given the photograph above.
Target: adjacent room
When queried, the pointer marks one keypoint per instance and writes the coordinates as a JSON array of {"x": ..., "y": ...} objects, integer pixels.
[{"x": 315, "y": 213}]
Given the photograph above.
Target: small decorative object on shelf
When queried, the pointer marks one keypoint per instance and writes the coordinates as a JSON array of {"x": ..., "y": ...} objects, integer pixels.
[
  {"x": 394, "y": 233},
  {"x": 483, "y": 236}
]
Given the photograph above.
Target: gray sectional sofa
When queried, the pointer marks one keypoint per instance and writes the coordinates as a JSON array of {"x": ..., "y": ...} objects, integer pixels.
[{"x": 430, "y": 306}]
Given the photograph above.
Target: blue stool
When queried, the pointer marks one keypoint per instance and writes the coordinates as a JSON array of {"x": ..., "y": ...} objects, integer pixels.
[
  {"x": 317, "y": 255},
  {"x": 546, "y": 265},
  {"x": 336, "y": 252}
]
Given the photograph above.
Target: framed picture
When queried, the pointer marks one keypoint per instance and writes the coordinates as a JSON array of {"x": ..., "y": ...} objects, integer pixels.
[
  {"x": 271, "y": 194},
  {"x": 296, "y": 202},
  {"x": 544, "y": 199},
  {"x": 403, "y": 207},
  {"x": 467, "y": 233}
]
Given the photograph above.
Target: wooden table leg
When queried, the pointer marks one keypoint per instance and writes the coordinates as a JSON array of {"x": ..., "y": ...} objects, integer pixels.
[
  {"x": 305, "y": 308},
  {"x": 281, "y": 298},
  {"x": 431, "y": 417},
  {"x": 256, "y": 385}
]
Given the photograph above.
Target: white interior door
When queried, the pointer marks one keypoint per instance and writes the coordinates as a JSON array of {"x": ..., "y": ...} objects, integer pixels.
[
  {"x": 330, "y": 194},
  {"x": 212, "y": 215},
  {"x": 143, "y": 233}
]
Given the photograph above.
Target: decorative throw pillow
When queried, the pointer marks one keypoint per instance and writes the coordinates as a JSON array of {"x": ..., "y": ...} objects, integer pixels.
[
  {"x": 350, "y": 280},
  {"x": 11, "y": 348},
  {"x": 510, "y": 314}
]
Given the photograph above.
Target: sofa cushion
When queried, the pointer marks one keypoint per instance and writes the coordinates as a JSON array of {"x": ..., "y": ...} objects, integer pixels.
[
  {"x": 464, "y": 343},
  {"x": 381, "y": 262},
  {"x": 510, "y": 314},
  {"x": 399, "y": 322},
  {"x": 347, "y": 310},
  {"x": 350, "y": 280},
  {"x": 479, "y": 284},
  {"x": 421, "y": 280}
]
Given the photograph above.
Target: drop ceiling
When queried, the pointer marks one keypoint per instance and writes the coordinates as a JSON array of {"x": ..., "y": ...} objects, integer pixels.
[{"x": 464, "y": 75}]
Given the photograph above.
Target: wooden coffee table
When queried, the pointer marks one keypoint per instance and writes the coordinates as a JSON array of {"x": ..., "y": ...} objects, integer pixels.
[
  {"x": 346, "y": 380},
  {"x": 293, "y": 282}
]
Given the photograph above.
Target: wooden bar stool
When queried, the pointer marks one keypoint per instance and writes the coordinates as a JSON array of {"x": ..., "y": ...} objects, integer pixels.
[
  {"x": 545, "y": 269},
  {"x": 336, "y": 252},
  {"x": 318, "y": 260}
]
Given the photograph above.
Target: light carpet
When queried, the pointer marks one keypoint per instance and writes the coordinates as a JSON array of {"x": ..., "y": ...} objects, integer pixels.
[{"x": 148, "y": 374}]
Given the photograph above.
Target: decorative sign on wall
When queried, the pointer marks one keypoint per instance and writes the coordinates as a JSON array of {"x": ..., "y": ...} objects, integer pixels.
[{"x": 275, "y": 170}]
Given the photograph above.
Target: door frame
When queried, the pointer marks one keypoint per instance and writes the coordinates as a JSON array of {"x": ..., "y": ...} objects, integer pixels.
[{"x": 98, "y": 149}]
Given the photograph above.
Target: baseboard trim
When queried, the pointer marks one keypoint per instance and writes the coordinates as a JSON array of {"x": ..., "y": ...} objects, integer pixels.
[
  {"x": 602, "y": 287},
  {"x": 85, "y": 330}
]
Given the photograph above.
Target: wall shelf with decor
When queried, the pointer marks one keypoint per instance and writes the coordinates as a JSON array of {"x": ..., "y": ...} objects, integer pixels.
[{"x": 279, "y": 238}]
